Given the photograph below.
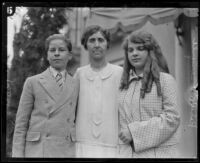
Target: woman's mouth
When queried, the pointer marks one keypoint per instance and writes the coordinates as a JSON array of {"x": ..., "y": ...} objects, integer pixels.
[
  {"x": 135, "y": 59},
  {"x": 56, "y": 59}
]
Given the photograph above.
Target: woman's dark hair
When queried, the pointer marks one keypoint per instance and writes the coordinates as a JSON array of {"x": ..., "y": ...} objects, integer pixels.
[
  {"x": 90, "y": 30},
  {"x": 155, "y": 63},
  {"x": 58, "y": 36}
]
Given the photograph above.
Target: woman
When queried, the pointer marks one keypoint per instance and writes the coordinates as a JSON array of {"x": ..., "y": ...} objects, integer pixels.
[
  {"x": 97, "y": 114},
  {"x": 148, "y": 113}
]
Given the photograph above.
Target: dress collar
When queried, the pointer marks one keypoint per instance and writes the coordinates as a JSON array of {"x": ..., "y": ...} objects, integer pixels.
[{"x": 104, "y": 73}]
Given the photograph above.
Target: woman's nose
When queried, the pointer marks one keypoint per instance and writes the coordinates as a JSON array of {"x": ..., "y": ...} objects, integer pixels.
[
  {"x": 56, "y": 53},
  {"x": 96, "y": 43}
]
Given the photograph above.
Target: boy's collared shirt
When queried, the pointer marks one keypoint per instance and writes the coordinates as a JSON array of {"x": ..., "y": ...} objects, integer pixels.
[{"x": 54, "y": 73}]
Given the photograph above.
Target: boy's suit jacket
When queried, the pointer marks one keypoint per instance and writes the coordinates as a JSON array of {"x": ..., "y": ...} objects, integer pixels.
[{"x": 45, "y": 118}]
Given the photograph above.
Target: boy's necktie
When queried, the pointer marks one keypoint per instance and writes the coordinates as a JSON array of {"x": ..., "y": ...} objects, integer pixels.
[{"x": 59, "y": 80}]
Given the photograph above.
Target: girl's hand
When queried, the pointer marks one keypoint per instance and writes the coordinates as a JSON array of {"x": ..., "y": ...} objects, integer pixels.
[{"x": 125, "y": 135}]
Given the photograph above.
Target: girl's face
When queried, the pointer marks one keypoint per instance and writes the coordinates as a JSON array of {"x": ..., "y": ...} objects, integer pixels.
[{"x": 137, "y": 55}]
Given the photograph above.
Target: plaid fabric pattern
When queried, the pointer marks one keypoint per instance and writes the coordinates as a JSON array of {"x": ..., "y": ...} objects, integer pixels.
[{"x": 153, "y": 121}]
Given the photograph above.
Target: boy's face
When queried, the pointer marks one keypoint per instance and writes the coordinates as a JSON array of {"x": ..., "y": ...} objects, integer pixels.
[{"x": 58, "y": 54}]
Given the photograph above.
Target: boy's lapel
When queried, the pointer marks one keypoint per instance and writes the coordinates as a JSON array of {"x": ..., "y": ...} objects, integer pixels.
[
  {"x": 49, "y": 84},
  {"x": 66, "y": 92}
]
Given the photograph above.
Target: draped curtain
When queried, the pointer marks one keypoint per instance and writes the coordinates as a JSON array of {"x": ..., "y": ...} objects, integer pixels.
[{"x": 130, "y": 19}]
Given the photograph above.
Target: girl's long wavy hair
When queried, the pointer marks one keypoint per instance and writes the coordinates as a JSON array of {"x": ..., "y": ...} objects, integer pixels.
[{"x": 155, "y": 62}]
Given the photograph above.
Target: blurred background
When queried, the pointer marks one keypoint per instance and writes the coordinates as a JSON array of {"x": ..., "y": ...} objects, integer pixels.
[{"x": 176, "y": 30}]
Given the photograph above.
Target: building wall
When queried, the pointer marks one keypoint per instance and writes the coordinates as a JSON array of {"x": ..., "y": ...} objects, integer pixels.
[{"x": 188, "y": 127}]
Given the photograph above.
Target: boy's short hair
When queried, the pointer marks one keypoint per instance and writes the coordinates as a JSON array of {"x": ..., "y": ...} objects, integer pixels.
[{"x": 61, "y": 37}]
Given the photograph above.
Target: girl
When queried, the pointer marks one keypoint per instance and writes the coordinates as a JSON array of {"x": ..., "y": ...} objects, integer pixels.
[{"x": 148, "y": 115}]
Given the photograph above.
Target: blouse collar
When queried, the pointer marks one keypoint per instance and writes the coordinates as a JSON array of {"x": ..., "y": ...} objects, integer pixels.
[
  {"x": 134, "y": 76},
  {"x": 104, "y": 73}
]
